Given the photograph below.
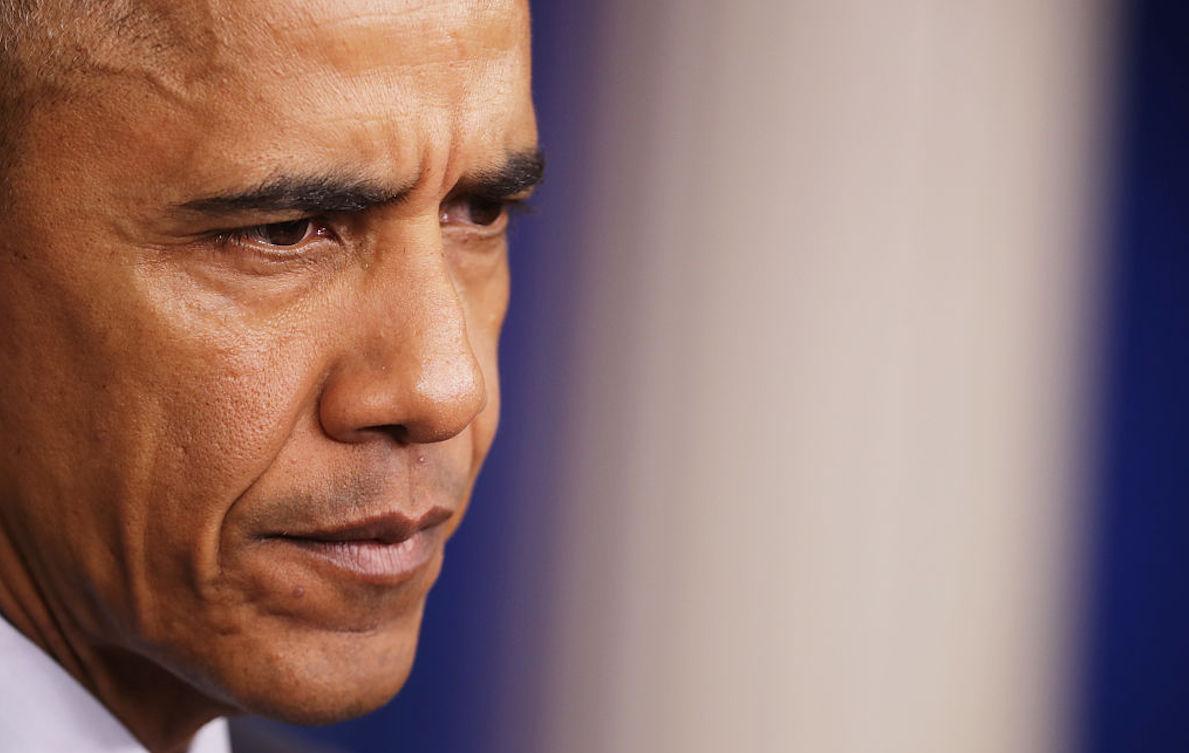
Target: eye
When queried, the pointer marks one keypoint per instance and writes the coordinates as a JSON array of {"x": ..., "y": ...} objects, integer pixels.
[
  {"x": 279, "y": 238},
  {"x": 474, "y": 210},
  {"x": 281, "y": 234}
]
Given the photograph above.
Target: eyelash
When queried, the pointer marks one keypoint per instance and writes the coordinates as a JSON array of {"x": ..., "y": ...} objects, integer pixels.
[{"x": 506, "y": 208}]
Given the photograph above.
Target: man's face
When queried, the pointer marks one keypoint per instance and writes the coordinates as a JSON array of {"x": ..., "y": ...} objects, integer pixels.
[{"x": 251, "y": 285}]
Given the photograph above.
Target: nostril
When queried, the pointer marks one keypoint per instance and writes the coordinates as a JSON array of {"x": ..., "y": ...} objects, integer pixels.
[{"x": 398, "y": 432}]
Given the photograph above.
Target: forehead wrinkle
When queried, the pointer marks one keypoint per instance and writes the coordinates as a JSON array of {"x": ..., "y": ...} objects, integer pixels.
[
  {"x": 453, "y": 132},
  {"x": 410, "y": 38},
  {"x": 144, "y": 41},
  {"x": 449, "y": 15}
]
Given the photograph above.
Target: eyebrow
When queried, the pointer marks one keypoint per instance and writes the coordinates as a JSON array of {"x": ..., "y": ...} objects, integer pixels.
[{"x": 519, "y": 173}]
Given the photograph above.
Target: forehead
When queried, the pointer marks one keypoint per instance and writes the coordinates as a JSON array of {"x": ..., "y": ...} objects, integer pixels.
[
  {"x": 350, "y": 36},
  {"x": 210, "y": 87},
  {"x": 178, "y": 43}
]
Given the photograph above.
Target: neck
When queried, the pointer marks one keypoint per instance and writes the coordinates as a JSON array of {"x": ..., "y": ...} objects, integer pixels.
[{"x": 158, "y": 708}]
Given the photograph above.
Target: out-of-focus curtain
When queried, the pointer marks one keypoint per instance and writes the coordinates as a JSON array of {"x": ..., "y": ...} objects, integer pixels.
[{"x": 834, "y": 338}]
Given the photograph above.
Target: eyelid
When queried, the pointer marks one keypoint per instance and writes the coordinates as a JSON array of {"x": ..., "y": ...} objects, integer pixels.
[
  {"x": 490, "y": 193},
  {"x": 508, "y": 207},
  {"x": 239, "y": 236},
  {"x": 514, "y": 202},
  {"x": 515, "y": 199}
]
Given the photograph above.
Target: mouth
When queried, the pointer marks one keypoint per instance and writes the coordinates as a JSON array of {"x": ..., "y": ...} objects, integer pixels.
[{"x": 384, "y": 550}]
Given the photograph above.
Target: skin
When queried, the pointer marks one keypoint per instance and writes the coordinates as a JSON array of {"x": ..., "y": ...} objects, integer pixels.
[{"x": 173, "y": 389}]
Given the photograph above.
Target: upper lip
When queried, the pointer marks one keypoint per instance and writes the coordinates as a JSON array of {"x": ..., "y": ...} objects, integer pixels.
[{"x": 388, "y": 528}]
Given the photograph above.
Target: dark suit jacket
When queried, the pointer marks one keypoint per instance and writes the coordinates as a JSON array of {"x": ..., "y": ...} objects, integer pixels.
[{"x": 255, "y": 735}]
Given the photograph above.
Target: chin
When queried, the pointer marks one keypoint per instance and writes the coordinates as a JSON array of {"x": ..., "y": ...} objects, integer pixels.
[
  {"x": 312, "y": 677},
  {"x": 336, "y": 648}
]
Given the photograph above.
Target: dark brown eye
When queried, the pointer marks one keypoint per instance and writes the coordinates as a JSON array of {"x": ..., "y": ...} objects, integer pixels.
[
  {"x": 282, "y": 233},
  {"x": 485, "y": 212},
  {"x": 473, "y": 210}
]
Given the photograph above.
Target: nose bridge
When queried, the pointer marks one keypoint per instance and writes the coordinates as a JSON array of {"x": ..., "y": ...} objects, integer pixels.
[
  {"x": 414, "y": 372},
  {"x": 430, "y": 343}
]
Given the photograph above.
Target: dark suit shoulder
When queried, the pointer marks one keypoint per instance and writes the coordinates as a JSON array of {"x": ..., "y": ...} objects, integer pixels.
[{"x": 255, "y": 735}]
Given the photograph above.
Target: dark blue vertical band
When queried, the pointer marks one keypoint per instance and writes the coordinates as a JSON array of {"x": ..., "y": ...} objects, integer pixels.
[{"x": 1137, "y": 673}]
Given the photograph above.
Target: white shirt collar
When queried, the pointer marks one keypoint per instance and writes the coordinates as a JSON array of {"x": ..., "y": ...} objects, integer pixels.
[{"x": 43, "y": 708}]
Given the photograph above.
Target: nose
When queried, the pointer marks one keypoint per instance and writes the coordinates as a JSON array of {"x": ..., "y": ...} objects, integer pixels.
[{"x": 409, "y": 372}]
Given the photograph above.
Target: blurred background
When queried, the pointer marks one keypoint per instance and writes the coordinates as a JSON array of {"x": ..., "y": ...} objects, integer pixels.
[{"x": 846, "y": 392}]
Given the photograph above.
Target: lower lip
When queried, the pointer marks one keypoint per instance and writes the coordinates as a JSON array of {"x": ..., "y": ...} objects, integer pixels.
[{"x": 373, "y": 560}]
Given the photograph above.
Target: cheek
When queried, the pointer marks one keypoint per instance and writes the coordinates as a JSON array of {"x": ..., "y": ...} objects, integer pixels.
[
  {"x": 222, "y": 426},
  {"x": 215, "y": 400},
  {"x": 230, "y": 404},
  {"x": 133, "y": 425}
]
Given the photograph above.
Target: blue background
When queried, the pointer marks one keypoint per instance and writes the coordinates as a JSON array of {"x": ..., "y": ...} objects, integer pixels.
[{"x": 1137, "y": 667}]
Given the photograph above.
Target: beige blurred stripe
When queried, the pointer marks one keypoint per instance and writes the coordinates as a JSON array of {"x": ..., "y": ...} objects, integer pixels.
[{"x": 839, "y": 279}]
